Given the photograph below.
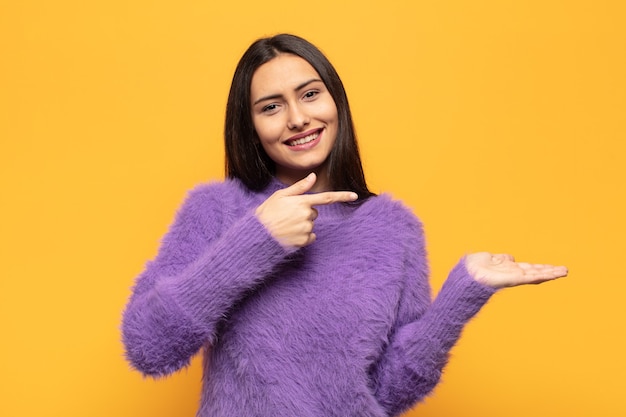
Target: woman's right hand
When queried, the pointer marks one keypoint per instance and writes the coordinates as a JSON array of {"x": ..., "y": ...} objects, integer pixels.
[{"x": 288, "y": 214}]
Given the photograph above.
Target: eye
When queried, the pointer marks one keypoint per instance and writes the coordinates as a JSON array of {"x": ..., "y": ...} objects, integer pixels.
[
  {"x": 270, "y": 108},
  {"x": 309, "y": 95}
]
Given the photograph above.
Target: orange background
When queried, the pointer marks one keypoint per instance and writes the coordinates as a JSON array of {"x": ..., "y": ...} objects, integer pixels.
[{"x": 502, "y": 123}]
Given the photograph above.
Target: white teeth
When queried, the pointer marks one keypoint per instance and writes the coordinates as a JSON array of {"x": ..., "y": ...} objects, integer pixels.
[{"x": 304, "y": 140}]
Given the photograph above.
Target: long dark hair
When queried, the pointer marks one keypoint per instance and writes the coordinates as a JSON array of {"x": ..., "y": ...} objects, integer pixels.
[{"x": 245, "y": 157}]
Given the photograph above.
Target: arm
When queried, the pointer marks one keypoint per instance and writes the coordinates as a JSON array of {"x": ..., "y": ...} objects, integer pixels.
[
  {"x": 200, "y": 272},
  {"x": 418, "y": 350}
]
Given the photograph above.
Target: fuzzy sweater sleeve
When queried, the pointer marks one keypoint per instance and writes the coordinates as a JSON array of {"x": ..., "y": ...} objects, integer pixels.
[
  {"x": 206, "y": 264},
  {"x": 419, "y": 346}
]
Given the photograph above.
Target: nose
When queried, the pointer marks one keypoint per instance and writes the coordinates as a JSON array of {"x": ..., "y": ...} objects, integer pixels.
[{"x": 298, "y": 118}]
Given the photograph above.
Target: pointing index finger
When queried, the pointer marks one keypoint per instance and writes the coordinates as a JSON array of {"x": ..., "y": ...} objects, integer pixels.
[{"x": 330, "y": 197}]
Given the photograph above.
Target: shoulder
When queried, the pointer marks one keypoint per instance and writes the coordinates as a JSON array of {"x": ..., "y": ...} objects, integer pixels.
[
  {"x": 218, "y": 189},
  {"x": 216, "y": 193},
  {"x": 214, "y": 201},
  {"x": 384, "y": 210},
  {"x": 390, "y": 221}
]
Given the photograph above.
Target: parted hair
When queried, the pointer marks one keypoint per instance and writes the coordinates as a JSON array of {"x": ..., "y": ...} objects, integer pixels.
[{"x": 246, "y": 159}]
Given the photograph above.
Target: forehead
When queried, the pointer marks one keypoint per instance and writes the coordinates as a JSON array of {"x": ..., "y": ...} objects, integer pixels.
[{"x": 283, "y": 73}]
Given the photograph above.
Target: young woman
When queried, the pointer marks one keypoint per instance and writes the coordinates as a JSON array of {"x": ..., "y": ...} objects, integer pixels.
[{"x": 307, "y": 293}]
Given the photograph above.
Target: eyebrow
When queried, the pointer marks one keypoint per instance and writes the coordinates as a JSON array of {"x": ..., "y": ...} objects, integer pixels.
[{"x": 298, "y": 88}]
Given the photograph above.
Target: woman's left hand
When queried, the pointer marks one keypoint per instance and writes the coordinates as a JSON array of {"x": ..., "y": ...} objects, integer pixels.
[{"x": 501, "y": 270}]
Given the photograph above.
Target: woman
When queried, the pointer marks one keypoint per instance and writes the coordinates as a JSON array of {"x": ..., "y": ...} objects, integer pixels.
[{"x": 308, "y": 294}]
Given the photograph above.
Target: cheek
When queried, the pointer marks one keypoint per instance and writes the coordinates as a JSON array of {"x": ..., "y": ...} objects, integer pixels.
[
  {"x": 267, "y": 130},
  {"x": 331, "y": 117},
  {"x": 330, "y": 112}
]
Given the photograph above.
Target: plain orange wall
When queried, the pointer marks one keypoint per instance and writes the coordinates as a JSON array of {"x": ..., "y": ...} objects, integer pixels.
[{"x": 502, "y": 123}]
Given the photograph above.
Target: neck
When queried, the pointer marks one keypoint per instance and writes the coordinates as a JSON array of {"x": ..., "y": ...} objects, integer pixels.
[{"x": 289, "y": 177}]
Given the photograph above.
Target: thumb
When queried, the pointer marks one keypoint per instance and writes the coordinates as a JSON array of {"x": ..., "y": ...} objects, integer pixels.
[{"x": 300, "y": 187}]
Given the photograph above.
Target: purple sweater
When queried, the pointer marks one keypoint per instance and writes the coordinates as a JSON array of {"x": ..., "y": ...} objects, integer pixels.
[{"x": 343, "y": 327}]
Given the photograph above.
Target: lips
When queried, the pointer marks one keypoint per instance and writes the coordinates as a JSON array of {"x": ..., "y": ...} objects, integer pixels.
[{"x": 303, "y": 138}]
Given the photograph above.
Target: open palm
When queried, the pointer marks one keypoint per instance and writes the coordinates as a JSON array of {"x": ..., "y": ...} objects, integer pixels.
[{"x": 501, "y": 270}]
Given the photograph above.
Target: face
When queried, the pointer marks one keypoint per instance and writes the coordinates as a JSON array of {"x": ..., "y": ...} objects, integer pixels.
[{"x": 294, "y": 116}]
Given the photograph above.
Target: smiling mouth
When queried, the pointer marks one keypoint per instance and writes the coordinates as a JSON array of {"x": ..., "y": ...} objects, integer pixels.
[{"x": 303, "y": 140}]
